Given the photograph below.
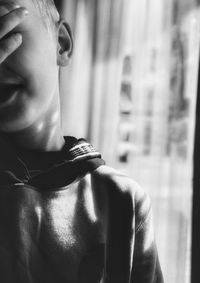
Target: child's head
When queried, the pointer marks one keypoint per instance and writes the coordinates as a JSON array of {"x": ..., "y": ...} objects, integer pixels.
[{"x": 32, "y": 71}]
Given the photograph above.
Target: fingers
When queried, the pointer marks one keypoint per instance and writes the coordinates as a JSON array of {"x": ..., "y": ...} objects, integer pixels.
[
  {"x": 9, "y": 45},
  {"x": 10, "y": 17},
  {"x": 6, "y": 8},
  {"x": 9, "y": 21}
]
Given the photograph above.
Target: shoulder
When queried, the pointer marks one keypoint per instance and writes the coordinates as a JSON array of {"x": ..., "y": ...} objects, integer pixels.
[{"x": 122, "y": 192}]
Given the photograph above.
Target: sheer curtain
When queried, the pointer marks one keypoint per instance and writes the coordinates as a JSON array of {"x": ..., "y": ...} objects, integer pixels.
[
  {"x": 131, "y": 90},
  {"x": 91, "y": 83}
]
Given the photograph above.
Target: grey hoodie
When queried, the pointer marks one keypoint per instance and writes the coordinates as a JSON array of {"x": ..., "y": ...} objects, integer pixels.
[{"x": 76, "y": 221}]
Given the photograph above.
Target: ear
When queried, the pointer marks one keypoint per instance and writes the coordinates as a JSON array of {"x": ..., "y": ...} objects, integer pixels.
[{"x": 65, "y": 43}]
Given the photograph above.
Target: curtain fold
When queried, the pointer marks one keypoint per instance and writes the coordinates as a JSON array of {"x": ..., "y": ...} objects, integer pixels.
[{"x": 93, "y": 78}]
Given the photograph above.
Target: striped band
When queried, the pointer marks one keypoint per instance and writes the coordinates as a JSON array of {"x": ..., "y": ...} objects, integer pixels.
[{"x": 82, "y": 151}]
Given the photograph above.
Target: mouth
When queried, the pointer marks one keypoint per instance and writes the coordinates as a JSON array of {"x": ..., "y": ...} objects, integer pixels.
[{"x": 8, "y": 93}]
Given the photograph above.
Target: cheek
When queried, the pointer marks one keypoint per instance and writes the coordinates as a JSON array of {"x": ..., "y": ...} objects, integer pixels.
[
  {"x": 36, "y": 58},
  {"x": 35, "y": 61}
]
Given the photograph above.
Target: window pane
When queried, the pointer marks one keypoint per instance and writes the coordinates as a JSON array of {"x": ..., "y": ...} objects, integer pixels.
[{"x": 157, "y": 116}]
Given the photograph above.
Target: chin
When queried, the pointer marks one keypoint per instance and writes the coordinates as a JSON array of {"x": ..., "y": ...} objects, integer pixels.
[
  {"x": 17, "y": 122},
  {"x": 17, "y": 126}
]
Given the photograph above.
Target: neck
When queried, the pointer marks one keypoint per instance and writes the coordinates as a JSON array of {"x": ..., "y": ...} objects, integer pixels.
[{"x": 45, "y": 134}]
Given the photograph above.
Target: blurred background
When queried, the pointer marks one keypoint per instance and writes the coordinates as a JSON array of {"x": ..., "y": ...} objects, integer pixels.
[{"x": 131, "y": 90}]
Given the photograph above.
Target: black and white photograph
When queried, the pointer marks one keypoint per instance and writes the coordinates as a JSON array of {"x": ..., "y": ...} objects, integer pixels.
[{"x": 99, "y": 141}]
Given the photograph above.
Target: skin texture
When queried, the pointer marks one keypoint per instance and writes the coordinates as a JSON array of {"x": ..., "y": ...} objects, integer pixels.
[{"x": 30, "y": 58}]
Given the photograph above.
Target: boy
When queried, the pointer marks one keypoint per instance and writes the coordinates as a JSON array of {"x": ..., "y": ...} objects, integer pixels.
[{"x": 64, "y": 215}]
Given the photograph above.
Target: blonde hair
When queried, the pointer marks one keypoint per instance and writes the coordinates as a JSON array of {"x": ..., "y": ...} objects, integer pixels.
[{"x": 48, "y": 12}]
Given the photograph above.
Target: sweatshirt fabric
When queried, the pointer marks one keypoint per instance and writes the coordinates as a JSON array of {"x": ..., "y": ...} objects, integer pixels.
[{"x": 66, "y": 217}]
